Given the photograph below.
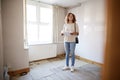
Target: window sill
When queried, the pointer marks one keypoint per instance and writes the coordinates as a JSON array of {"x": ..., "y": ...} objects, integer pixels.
[{"x": 40, "y": 44}]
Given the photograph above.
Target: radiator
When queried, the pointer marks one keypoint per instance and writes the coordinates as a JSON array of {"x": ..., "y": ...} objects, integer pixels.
[{"x": 38, "y": 52}]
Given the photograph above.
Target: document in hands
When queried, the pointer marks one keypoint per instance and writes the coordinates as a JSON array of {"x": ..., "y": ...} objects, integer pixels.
[{"x": 67, "y": 33}]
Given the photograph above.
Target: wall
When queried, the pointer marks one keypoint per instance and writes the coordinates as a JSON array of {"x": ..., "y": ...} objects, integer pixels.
[
  {"x": 1, "y": 49},
  {"x": 58, "y": 21},
  {"x": 60, "y": 48},
  {"x": 13, "y": 23},
  {"x": 90, "y": 18},
  {"x": 60, "y": 39}
]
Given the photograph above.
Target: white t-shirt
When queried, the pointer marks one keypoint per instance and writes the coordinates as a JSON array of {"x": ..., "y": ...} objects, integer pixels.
[{"x": 67, "y": 29}]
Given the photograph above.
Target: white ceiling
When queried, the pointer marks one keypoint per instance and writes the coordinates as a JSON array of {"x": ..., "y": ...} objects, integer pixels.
[{"x": 63, "y": 3}]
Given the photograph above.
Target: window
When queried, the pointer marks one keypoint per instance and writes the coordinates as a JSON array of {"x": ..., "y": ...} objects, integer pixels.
[{"x": 39, "y": 24}]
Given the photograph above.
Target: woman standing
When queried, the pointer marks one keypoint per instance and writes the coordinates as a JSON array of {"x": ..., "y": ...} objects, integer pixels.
[{"x": 70, "y": 31}]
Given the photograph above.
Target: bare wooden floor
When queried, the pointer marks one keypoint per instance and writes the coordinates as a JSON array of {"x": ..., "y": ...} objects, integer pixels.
[{"x": 51, "y": 69}]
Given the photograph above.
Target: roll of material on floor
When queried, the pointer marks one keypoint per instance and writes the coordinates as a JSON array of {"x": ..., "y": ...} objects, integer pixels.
[{"x": 5, "y": 75}]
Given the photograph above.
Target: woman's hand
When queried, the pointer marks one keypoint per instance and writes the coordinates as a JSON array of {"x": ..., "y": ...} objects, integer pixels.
[{"x": 61, "y": 34}]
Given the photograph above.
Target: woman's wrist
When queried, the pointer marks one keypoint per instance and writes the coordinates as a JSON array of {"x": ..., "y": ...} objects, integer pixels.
[{"x": 74, "y": 33}]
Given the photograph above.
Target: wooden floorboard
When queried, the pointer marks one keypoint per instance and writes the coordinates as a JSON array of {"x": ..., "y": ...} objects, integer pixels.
[{"x": 52, "y": 70}]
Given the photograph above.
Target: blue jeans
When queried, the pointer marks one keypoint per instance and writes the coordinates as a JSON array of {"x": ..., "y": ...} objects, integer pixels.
[{"x": 70, "y": 48}]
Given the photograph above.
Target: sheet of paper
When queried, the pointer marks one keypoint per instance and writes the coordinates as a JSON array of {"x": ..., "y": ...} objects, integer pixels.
[{"x": 66, "y": 33}]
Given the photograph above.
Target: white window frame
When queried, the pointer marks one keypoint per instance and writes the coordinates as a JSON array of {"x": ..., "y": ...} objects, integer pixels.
[{"x": 38, "y": 4}]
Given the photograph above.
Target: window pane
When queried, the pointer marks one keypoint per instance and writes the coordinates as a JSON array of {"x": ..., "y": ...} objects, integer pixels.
[
  {"x": 45, "y": 34},
  {"x": 39, "y": 24},
  {"x": 45, "y": 15},
  {"x": 32, "y": 32},
  {"x": 31, "y": 13}
]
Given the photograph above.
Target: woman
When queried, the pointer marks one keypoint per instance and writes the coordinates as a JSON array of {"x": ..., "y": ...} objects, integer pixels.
[{"x": 70, "y": 31}]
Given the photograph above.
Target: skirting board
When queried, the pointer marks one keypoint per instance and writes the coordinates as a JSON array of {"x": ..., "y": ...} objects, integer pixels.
[
  {"x": 88, "y": 61},
  {"x": 17, "y": 72},
  {"x": 83, "y": 59}
]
